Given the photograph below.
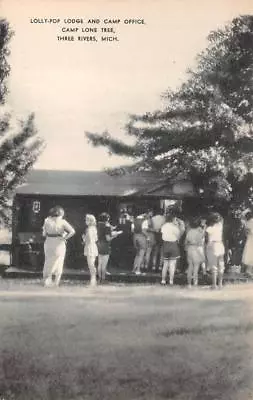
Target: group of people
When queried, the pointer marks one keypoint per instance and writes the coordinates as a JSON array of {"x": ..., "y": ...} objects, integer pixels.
[
  {"x": 202, "y": 241},
  {"x": 158, "y": 239},
  {"x": 97, "y": 244}
]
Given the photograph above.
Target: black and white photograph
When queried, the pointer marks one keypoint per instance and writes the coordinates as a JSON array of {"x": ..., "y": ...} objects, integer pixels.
[{"x": 126, "y": 200}]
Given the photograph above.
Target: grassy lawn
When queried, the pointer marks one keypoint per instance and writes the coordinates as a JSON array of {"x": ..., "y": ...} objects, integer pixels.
[{"x": 125, "y": 342}]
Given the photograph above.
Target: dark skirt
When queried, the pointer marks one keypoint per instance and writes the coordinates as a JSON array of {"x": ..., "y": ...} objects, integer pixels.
[{"x": 104, "y": 247}]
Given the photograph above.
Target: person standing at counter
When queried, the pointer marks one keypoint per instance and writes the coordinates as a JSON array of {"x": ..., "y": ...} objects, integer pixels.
[
  {"x": 105, "y": 235},
  {"x": 140, "y": 241},
  {"x": 171, "y": 231},
  {"x": 157, "y": 221},
  {"x": 215, "y": 249},
  {"x": 194, "y": 246}
]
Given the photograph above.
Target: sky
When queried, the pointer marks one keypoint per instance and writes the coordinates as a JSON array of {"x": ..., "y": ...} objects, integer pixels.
[{"x": 77, "y": 86}]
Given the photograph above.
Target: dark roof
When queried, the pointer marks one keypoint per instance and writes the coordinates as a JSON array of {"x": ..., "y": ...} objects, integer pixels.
[{"x": 85, "y": 183}]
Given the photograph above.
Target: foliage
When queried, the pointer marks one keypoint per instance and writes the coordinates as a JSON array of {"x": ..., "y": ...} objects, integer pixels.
[
  {"x": 5, "y": 35},
  {"x": 204, "y": 132},
  {"x": 19, "y": 143}
]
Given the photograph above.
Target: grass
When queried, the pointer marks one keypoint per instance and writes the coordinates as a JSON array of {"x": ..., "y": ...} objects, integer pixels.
[{"x": 125, "y": 342}]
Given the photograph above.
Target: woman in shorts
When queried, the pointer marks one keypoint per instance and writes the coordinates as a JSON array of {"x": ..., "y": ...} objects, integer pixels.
[
  {"x": 171, "y": 232},
  {"x": 194, "y": 246}
]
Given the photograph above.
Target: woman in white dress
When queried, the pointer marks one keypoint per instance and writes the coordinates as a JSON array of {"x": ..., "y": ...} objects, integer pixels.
[
  {"x": 57, "y": 231},
  {"x": 90, "y": 248},
  {"x": 247, "y": 256}
]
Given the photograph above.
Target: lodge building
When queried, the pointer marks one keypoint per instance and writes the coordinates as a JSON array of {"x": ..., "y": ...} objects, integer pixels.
[{"x": 79, "y": 193}]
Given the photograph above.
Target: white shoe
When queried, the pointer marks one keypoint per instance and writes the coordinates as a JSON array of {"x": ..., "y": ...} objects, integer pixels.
[
  {"x": 57, "y": 281},
  {"x": 93, "y": 283},
  {"x": 48, "y": 282}
]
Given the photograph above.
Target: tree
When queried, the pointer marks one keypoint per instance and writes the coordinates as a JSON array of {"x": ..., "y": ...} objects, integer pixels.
[
  {"x": 204, "y": 132},
  {"x": 20, "y": 144}
]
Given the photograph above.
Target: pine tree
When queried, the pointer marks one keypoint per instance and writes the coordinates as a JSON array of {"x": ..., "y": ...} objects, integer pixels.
[
  {"x": 20, "y": 144},
  {"x": 204, "y": 132}
]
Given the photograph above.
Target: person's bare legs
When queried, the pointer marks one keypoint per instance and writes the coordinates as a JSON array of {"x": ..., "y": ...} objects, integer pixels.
[
  {"x": 138, "y": 261},
  {"x": 221, "y": 267},
  {"x": 147, "y": 256},
  {"x": 214, "y": 270},
  {"x": 102, "y": 265},
  {"x": 190, "y": 272},
  {"x": 172, "y": 269},
  {"x": 196, "y": 266},
  {"x": 91, "y": 264},
  {"x": 171, "y": 266},
  {"x": 165, "y": 271}
]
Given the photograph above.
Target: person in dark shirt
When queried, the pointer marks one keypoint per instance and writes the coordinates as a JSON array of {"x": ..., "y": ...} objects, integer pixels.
[
  {"x": 105, "y": 236},
  {"x": 122, "y": 247}
]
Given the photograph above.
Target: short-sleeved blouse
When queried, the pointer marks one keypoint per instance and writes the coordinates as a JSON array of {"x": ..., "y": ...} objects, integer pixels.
[
  {"x": 195, "y": 237},
  {"x": 170, "y": 232},
  {"x": 215, "y": 232},
  {"x": 56, "y": 226}
]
